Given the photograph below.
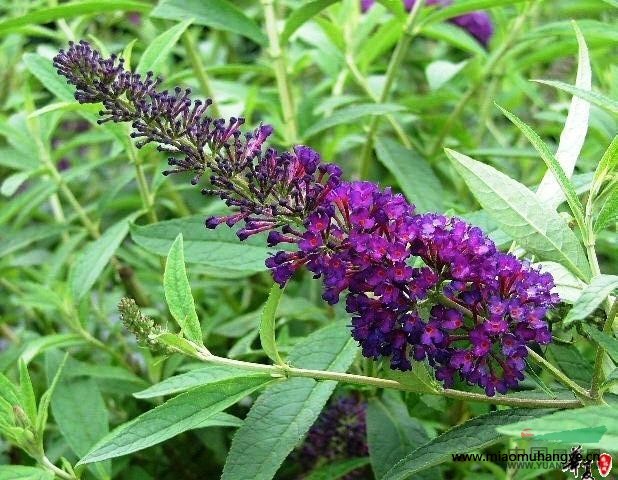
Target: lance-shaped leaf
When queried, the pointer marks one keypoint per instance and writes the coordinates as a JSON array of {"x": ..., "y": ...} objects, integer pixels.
[
  {"x": 158, "y": 50},
  {"x": 267, "y": 324},
  {"x": 189, "y": 410},
  {"x": 520, "y": 214},
  {"x": 571, "y": 139},
  {"x": 560, "y": 181},
  {"x": 594, "y": 426},
  {"x": 475, "y": 434},
  {"x": 178, "y": 292},
  {"x": 605, "y": 341},
  {"x": 391, "y": 432},
  {"x": 281, "y": 416},
  {"x": 592, "y": 296}
]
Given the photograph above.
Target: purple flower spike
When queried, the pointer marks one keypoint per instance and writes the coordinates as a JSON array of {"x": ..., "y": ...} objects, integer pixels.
[
  {"x": 481, "y": 308},
  {"x": 477, "y": 24},
  {"x": 339, "y": 433}
]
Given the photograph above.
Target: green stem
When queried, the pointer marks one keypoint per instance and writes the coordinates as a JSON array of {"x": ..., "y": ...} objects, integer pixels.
[
  {"x": 597, "y": 376},
  {"x": 558, "y": 375},
  {"x": 46, "y": 462},
  {"x": 593, "y": 261},
  {"x": 491, "y": 65},
  {"x": 287, "y": 371},
  {"x": 199, "y": 70},
  {"x": 391, "y": 71},
  {"x": 142, "y": 185},
  {"x": 360, "y": 80},
  {"x": 277, "y": 55}
]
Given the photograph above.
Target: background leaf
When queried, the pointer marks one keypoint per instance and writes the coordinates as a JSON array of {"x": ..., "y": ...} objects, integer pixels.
[
  {"x": 189, "y": 410},
  {"x": 418, "y": 182},
  {"x": 592, "y": 296},
  {"x": 218, "y": 14},
  {"x": 81, "y": 415},
  {"x": 157, "y": 51},
  {"x": 218, "y": 248},
  {"x": 478, "y": 433},
  {"x": 574, "y": 131},
  {"x": 95, "y": 257},
  {"x": 559, "y": 423},
  {"x": 391, "y": 432}
]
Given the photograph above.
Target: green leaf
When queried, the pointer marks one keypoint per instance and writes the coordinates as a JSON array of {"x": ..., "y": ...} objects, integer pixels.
[
  {"x": 178, "y": 293},
  {"x": 219, "y": 249},
  {"x": 608, "y": 163},
  {"x": 563, "y": 425},
  {"x": 43, "y": 69},
  {"x": 187, "y": 411},
  {"x": 416, "y": 380},
  {"x": 74, "y": 401},
  {"x": 57, "y": 340},
  {"x": 592, "y": 296},
  {"x": 12, "y": 183},
  {"x": 455, "y": 36},
  {"x": 475, "y": 434},
  {"x": 267, "y": 324},
  {"x": 350, "y": 114},
  {"x": 27, "y": 397},
  {"x": 70, "y": 10},
  {"x": 391, "y": 432},
  {"x": 43, "y": 410},
  {"x": 555, "y": 168},
  {"x": 608, "y": 214},
  {"x": 465, "y": 6},
  {"x": 520, "y": 214},
  {"x": 8, "y": 391},
  {"x": 281, "y": 416},
  {"x": 94, "y": 257},
  {"x": 415, "y": 177},
  {"x": 195, "y": 378},
  {"x": 439, "y": 72},
  {"x": 23, "y": 237},
  {"x": 605, "y": 341},
  {"x": 595, "y": 98},
  {"x": 153, "y": 57},
  {"x": 338, "y": 469},
  {"x": 301, "y": 15},
  {"x": 571, "y": 139},
  {"x": 19, "y": 472},
  {"x": 218, "y": 14},
  {"x": 571, "y": 362}
]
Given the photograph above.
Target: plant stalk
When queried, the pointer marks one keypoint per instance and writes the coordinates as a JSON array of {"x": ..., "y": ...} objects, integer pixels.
[
  {"x": 391, "y": 71},
  {"x": 277, "y": 55},
  {"x": 289, "y": 372},
  {"x": 199, "y": 70}
]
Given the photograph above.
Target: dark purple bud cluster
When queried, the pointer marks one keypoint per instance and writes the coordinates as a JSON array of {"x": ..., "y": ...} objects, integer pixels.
[
  {"x": 268, "y": 188},
  {"x": 177, "y": 124},
  {"x": 363, "y": 240},
  {"x": 339, "y": 433},
  {"x": 274, "y": 190},
  {"x": 478, "y": 24}
]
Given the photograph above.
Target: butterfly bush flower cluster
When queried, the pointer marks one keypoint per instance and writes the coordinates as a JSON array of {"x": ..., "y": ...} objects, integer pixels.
[
  {"x": 339, "y": 433},
  {"x": 419, "y": 287},
  {"x": 478, "y": 24}
]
